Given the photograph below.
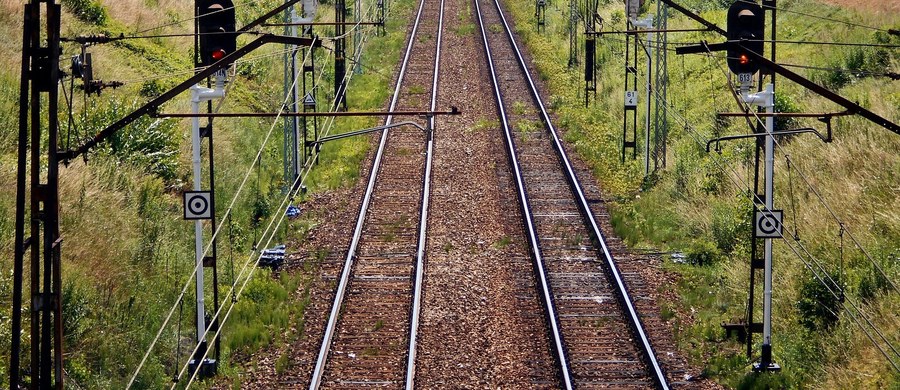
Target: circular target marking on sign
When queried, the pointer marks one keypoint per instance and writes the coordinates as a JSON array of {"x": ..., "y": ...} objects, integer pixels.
[
  {"x": 198, "y": 205},
  {"x": 768, "y": 224}
]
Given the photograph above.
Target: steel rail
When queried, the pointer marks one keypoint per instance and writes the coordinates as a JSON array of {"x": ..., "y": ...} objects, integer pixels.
[
  {"x": 321, "y": 360},
  {"x": 423, "y": 219},
  {"x": 622, "y": 290},
  {"x": 546, "y": 294}
]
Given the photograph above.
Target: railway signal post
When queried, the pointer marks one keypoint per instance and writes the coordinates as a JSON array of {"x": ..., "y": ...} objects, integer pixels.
[
  {"x": 202, "y": 210},
  {"x": 766, "y": 99},
  {"x": 647, "y": 24}
]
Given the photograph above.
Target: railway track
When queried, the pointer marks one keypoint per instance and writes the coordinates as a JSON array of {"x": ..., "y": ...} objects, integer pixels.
[
  {"x": 370, "y": 337},
  {"x": 598, "y": 339}
]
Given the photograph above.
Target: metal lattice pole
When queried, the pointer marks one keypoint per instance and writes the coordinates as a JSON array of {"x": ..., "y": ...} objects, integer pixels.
[
  {"x": 573, "y": 33},
  {"x": 661, "y": 117}
]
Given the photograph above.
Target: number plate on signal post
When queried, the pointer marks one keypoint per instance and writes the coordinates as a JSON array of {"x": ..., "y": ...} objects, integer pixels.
[
  {"x": 746, "y": 79},
  {"x": 631, "y": 99}
]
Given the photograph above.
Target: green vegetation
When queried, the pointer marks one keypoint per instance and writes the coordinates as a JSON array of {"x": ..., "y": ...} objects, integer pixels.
[
  {"x": 127, "y": 252},
  {"x": 466, "y": 25},
  {"x": 698, "y": 204},
  {"x": 503, "y": 242}
]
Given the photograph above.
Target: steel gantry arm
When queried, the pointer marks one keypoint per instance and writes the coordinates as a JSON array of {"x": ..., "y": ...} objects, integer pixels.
[
  {"x": 766, "y": 63},
  {"x": 151, "y": 106},
  {"x": 710, "y": 25},
  {"x": 825, "y": 92}
]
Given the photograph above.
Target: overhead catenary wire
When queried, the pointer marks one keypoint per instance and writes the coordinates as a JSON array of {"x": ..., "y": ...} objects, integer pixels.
[
  {"x": 308, "y": 169},
  {"x": 809, "y": 184},
  {"x": 733, "y": 176},
  {"x": 194, "y": 70},
  {"x": 814, "y": 16},
  {"x": 276, "y": 53},
  {"x": 736, "y": 181},
  {"x": 892, "y": 75},
  {"x": 825, "y": 43},
  {"x": 821, "y": 199}
]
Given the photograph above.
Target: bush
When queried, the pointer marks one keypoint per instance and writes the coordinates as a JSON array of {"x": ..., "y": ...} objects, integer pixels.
[
  {"x": 151, "y": 89},
  {"x": 835, "y": 79},
  {"x": 785, "y": 103},
  {"x": 87, "y": 11},
  {"x": 76, "y": 312},
  {"x": 764, "y": 380},
  {"x": 872, "y": 284},
  {"x": 702, "y": 253},
  {"x": 820, "y": 303},
  {"x": 730, "y": 226},
  {"x": 150, "y": 144}
]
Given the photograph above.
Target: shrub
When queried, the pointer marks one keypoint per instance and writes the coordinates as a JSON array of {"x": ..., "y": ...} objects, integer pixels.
[
  {"x": 702, "y": 253},
  {"x": 764, "y": 380},
  {"x": 150, "y": 144},
  {"x": 872, "y": 284},
  {"x": 835, "y": 78},
  {"x": 820, "y": 303},
  {"x": 785, "y": 103},
  {"x": 730, "y": 226},
  {"x": 87, "y": 11},
  {"x": 75, "y": 305},
  {"x": 151, "y": 89}
]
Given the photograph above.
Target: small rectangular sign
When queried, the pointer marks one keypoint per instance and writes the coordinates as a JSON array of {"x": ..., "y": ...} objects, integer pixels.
[
  {"x": 768, "y": 223},
  {"x": 631, "y": 98},
  {"x": 197, "y": 205}
]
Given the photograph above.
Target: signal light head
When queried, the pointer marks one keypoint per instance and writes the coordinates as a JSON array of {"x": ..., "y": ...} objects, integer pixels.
[
  {"x": 216, "y": 27},
  {"x": 746, "y": 29}
]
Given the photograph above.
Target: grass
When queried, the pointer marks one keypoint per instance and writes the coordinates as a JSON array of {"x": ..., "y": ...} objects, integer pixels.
[
  {"x": 466, "y": 26},
  {"x": 503, "y": 242},
  {"x": 416, "y": 90},
  {"x": 484, "y": 125},
  {"x": 693, "y": 206}
]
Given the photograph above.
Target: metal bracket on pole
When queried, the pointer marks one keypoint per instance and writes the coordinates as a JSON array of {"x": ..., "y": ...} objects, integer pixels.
[
  {"x": 822, "y": 117},
  {"x": 153, "y": 105},
  {"x": 453, "y": 111},
  {"x": 851, "y": 107},
  {"x": 427, "y": 130}
]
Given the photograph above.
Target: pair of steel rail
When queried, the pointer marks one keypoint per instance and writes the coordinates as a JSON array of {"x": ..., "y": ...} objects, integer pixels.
[{"x": 545, "y": 289}]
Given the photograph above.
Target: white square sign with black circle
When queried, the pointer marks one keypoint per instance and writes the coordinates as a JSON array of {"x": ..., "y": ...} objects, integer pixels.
[
  {"x": 768, "y": 223},
  {"x": 197, "y": 205}
]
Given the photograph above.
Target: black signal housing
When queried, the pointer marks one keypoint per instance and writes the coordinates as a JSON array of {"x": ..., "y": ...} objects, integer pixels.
[
  {"x": 217, "y": 30},
  {"x": 746, "y": 32}
]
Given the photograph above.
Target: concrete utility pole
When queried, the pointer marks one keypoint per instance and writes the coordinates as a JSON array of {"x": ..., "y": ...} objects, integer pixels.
[
  {"x": 766, "y": 99},
  {"x": 291, "y": 124},
  {"x": 199, "y": 95},
  {"x": 647, "y": 24}
]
